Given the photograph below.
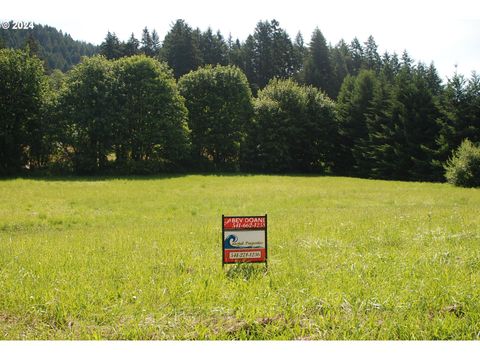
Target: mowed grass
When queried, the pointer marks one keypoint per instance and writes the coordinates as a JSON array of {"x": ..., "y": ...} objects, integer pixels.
[{"x": 137, "y": 258}]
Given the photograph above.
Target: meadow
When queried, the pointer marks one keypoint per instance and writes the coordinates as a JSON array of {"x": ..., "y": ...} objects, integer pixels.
[{"x": 140, "y": 258}]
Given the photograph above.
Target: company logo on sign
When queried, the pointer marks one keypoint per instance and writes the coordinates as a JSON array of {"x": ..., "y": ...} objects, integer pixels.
[
  {"x": 250, "y": 239},
  {"x": 244, "y": 239}
]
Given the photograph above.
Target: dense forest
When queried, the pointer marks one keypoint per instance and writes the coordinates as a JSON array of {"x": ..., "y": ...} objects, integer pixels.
[
  {"x": 56, "y": 49},
  {"x": 198, "y": 101}
]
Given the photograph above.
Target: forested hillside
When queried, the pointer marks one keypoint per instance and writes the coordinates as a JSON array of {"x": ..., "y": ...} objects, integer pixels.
[
  {"x": 57, "y": 49},
  {"x": 199, "y": 102}
]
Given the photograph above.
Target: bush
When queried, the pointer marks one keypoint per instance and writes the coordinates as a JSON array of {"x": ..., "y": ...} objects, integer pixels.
[
  {"x": 463, "y": 168},
  {"x": 220, "y": 111},
  {"x": 292, "y": 131},
  {"x": 23, "y": 94}
]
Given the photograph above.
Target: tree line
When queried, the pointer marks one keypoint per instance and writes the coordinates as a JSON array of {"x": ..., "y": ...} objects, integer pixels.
[
  {"x": 196, "y": 102},
  {"x": 56, "y": 49}
]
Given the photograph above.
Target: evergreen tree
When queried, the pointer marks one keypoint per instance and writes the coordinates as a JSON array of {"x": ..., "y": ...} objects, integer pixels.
[
  {"x": 155, "y": 47},
  {"x": 371, "y": 56},
  {"x": 111, "y": 47},
  {"x": 235, "y": 53},
  {"x": 269, "y": 53},
  {"x": 341, "y": 61},
  {"x": 56, "y": 49},
  {"x": 147, "y": 47},
  {"x": 459, "y": 114},
  {"x": 300, "y": 51},
  {"x": 390, "y": 66},
  {"x": 32, "y": 45},
  {"x": 318, "y": 69},
  {"x": 415, "y": 111},
  {"x": 181, "y": 49},
  {"x": 354, "y": 105},
  {"x": 379, "y": 149},
  {"x": 132, "y": 46},
  {"x": 213, "y": 48},
  {"x": 358, "y": 59}
]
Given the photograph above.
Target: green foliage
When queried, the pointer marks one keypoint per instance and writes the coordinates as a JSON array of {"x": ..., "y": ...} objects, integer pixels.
[
  {"x": 459, "y": 114},
  {"x": 132, "y": 46},
  {"x": 181, "y": 49},
  {"x": 213, "y": 48},
  {"x": 128, "y": 110},
  {"x": 415, "y": 114},
  {"x": 372, "y": 58},
  {"x": 293, "y": 130},
  {"x": 396, "y": 120},
  {"x": 150, "y": 128},
  {"x": 463, "y": 168},
  {"x": 58, "y": 50},
  {"x": 268, "y": 54},
  {"x": 111, "y": 47},
  {"x": 23, "y": 93},
  {"x": 220, "y": 110},
  {"x": 388, "y": 127},
  {"x": 86, "y": 114},
  {"x": 354, "y": 101},
  {"x": 317, "y": 67}
]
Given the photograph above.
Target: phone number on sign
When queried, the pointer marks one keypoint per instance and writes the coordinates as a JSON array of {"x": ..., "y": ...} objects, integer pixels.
[
  {"x": 17, "y": 25},
  {"x": 245, "y": 255}
]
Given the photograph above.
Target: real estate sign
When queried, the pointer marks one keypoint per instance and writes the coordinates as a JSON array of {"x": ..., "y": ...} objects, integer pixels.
[{"x": 244, "y": 239}]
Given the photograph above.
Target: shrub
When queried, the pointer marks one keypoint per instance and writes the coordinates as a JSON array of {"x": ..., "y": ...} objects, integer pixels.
[
  {"x": 220, "y": 110},
  {"x": 292, "y": 131},
  {"x": 463, "y": 168}
]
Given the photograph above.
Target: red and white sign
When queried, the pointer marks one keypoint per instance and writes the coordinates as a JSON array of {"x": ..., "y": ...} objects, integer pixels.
[
  {"x": 244, "y": 239},
  {"x": 241, "y": 222}
]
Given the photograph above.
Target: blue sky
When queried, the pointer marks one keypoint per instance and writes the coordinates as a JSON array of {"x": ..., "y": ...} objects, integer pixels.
[{"x": 445, "y": 32}]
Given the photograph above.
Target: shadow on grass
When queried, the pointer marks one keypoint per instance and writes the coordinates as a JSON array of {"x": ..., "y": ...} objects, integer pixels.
[
  {"x": 105, "y": 177},
  {"x": 246, "y": 271},
  {"x": 90, "y": 178}
]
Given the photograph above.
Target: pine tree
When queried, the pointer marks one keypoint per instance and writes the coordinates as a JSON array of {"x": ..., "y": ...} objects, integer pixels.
[
  {"x": 132, "y": 46},
  {"x": 390, "y": 66},
  {"x": 155, "y": 43},
  {"x": 459, "y": 114},
  {"x": 147, "y": 43},
  {"x": 268, "y": 53},
  {"x": 341, "y": 61},
  {"x": 111, "y": 47},
  {"x": 33, "y": 45},
  {"x": 360, "y": 108},
  {"x": 213, "y": 48},
  {"x": 415, "y": 112},
  {"x": 372, "y": 59},
  {"x": 358, "y": 59},
  {"x": 318, "y": 69},
  {"x": 300, "y": 51},
  {"x": 380, "y": 147},
  {"x": 235, "y": 53},
  {"x": 181, "y": 49}
]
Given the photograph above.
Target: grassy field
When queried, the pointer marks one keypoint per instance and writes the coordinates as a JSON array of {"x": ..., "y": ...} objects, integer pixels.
[{"x": 141, "y": 259}]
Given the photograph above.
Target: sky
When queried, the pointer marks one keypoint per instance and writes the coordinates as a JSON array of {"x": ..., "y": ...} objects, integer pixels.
[{"x": 445, "y": 32}]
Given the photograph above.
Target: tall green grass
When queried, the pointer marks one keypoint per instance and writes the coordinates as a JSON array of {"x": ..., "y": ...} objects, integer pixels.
[{"x": 137, "y": 258}]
